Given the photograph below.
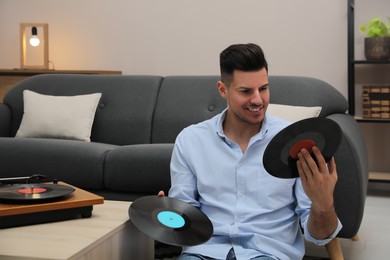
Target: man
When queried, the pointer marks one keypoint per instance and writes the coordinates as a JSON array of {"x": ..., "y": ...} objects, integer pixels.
[{"x": 217, "y": 166}]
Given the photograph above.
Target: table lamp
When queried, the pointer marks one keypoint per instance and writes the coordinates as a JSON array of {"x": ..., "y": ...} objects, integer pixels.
[{"x": 34, "y": 44}]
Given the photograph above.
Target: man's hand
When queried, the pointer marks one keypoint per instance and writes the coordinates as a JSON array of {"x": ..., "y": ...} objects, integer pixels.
[
  {"x": 161, "y": 193},
  {"x": 318, "y": 181}
]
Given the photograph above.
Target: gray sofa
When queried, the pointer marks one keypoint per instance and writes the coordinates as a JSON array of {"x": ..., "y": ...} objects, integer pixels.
[{"x": 135, "y": 125}]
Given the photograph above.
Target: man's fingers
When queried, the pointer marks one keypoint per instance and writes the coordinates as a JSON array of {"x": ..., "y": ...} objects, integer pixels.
[
  {"x": 303, "y": 166},
  {"x": 321, "y": 163}
]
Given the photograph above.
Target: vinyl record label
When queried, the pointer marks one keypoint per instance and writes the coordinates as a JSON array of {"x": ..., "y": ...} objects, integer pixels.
[{"x": 171, "y": 219}]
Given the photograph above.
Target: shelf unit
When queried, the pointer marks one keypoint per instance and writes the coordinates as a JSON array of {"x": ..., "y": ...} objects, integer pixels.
[
  {"x": 374, "y": 176},
  {"x": 352, "y": 63},
  {"x": 379, "y": 176}
]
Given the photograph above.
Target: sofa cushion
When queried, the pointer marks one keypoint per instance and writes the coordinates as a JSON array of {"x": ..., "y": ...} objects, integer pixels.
[
  {"x": 142, "y": 168},
  {"x": 124, "y": 114},
  {"x": 293, "y": 113},
  {"x": 63, "y": 117}
]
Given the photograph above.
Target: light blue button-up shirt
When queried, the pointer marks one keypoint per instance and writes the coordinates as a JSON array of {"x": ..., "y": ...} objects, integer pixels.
[{"x": 251, "y": 211}]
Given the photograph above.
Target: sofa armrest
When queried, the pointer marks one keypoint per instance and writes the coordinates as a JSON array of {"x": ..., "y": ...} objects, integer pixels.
[
  {"x": 352, "y": 168},
  {"x": 5, "y": 120},
  {"x": 141, "y": 168}
]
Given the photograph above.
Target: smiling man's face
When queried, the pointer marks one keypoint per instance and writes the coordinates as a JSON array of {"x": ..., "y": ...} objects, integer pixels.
[{"x": 247, "y": 96}]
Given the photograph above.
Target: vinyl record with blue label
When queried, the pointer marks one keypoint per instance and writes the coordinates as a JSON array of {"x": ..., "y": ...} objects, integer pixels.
[
  {"x": 281, "y": 154},
  {"x": 170, "y": 221}
]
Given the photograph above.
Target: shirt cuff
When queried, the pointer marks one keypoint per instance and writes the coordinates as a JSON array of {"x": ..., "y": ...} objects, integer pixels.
[{"x": 325, "y": 241}]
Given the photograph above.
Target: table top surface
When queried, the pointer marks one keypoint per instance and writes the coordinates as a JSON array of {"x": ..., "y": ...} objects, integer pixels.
[{"x": 64, "y": 238}]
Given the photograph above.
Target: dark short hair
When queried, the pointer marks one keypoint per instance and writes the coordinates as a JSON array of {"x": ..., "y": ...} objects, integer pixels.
[{"x": 243, "y": 57}]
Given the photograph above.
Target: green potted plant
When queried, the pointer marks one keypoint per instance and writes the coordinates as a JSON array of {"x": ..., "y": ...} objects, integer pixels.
[{"x": 377, "y": 42}]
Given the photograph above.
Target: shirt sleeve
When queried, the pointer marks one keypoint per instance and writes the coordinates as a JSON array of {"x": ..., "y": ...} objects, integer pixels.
[
  {"x": 183, "y": 180},
  {"x": 303, "y": 210},
  {"x": 325, "y": 241}
]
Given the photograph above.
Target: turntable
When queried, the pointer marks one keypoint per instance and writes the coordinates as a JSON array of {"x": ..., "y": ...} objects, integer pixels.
[{"x": 36, "y": 203}]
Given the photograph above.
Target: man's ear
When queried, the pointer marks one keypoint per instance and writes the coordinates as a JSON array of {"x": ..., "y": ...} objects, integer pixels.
[{"x": 222, "y": 89}]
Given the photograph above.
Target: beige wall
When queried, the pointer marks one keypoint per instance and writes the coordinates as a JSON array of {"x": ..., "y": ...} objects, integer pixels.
[
  {"x": 170, "y": 37},
  {"x": 166, "y": 37}
]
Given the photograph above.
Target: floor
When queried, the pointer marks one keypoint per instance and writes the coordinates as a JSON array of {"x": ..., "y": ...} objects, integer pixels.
[{"x": 374, "y": 233}]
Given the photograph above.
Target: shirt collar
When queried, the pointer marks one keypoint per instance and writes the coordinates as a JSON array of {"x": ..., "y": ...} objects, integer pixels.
[{"x": 258, "y": 136}]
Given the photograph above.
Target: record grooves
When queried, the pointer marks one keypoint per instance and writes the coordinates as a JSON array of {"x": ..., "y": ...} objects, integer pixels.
[
  {"x": 170, "y": 221},
  {"x": 281, "y": 154}
]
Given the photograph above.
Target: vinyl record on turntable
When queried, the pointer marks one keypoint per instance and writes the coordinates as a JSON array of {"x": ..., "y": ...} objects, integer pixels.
[
  {"x": 34, "y": 193},
  {"x": 170, "y": 221},
  {"x": 281, "y": 154}
]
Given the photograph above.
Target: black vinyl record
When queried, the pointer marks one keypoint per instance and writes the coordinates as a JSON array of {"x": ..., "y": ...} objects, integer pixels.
[
  {"x": 280, "y": 156},
  {"x": 170, "y": 221},
  {"x": 34, "y": 193}
]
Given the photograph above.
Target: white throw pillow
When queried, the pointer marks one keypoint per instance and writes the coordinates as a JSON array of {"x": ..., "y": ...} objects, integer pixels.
[
  {"x": 62, "y": 117},
  {"x": 293, "y": 113}
]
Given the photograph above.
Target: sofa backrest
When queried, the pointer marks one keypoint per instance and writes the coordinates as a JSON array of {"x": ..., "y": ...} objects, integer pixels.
[
  {"x": 306, "y": 91},
  {"x": 182, "y": 101},
  {"x": 124, "y": 114},
  {"x": 154, "y": 109},
  {"x": 186, "y": 100}
]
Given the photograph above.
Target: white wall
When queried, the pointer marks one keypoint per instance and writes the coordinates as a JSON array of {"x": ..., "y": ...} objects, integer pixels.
[{"x": 167, "y": 37}]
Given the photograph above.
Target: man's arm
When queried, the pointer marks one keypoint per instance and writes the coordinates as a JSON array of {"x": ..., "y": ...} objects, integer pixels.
[{"x": 318, "y": 181}]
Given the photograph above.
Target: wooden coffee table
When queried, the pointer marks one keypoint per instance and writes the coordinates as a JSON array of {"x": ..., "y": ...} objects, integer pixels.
[{"x": 107, "y": 234}]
